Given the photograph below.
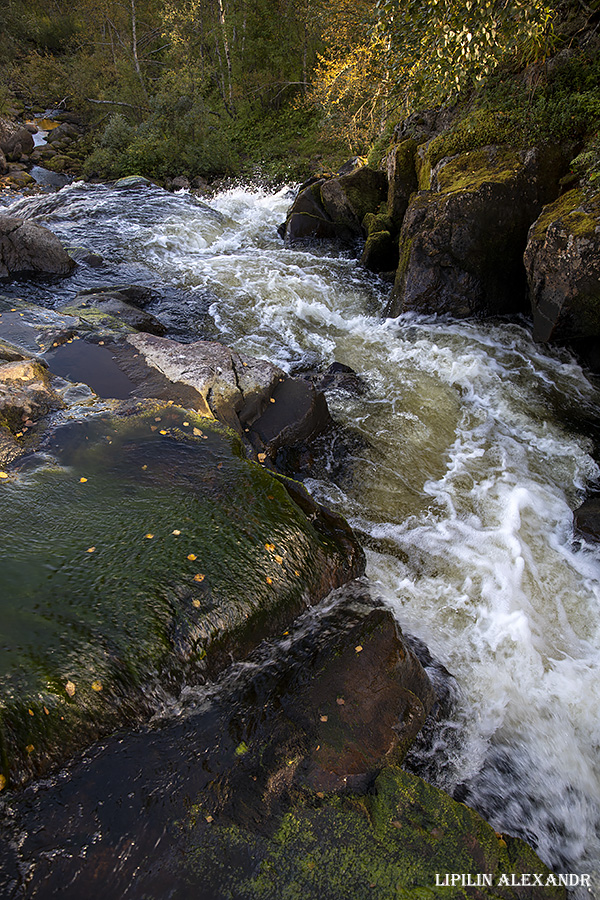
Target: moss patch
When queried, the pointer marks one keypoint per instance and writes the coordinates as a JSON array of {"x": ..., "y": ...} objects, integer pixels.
[
  {"x": 578, "y": 215},
  {"x": 388, "y": 845},
  {"x": 468, "y": 171}
]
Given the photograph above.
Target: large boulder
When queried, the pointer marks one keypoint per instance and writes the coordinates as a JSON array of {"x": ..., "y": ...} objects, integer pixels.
[
  {"x": 142, "y": 549},
  {"x": 563, "y": 268},
  {"x": 334, "y": 208},
  {"x": 15, "y": 140},
  {"x": 26, "y": 395},
  {"x": 462, "y": 240},
  {"x": 27, "y": 248}
]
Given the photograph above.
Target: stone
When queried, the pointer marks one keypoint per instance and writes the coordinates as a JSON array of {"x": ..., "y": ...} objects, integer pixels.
[
  {"x": 15, "y": 140},
  {"x": 27, "y": 248},
  {"x": 586, "y": 520},
  {"x": 462, "y": 241},
  {"x": 3, "y": 164},
  {"x": 161, "y": 554},
  {"x": 562, "y": 260},
  {"x": 334, "y": 208},
  {"x": 402, "y": 180},
  {"x": 25, "y": 394},
  {"x": 380, "y": 253},
  {"x": 112, "y": 303}
]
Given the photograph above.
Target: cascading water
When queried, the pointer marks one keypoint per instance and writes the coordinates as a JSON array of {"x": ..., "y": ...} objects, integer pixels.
[{"x": 475, "y": 449}]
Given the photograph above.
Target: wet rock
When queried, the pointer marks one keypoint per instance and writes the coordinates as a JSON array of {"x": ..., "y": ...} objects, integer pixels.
[
  {"x": 136, "y": 294},
  {"x": 295, "y": 414},
  {"x": 586, "y": 520},
  {"x": 563, "y": 268},
  {"x": 334, "y": 208},
  {"x": 380, "y": 253},
  {"x": 231, "y": 387},
  {"x": 15, "y": 140},
  {"x": 341, "y": 377},
  {"x": 112, "y": 303},
  {"x": 27, "y": 248},
  {"x": 207, "y": 552},
  {"x": 462, "y": 241},
  {"x": 3, "y": 164},
  {"x": 25, "y": 394},
  {"x": 64, "y": 130}
]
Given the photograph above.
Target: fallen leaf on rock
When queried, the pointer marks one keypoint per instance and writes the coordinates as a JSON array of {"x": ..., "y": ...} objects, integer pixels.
[
  {"x": 149, "y": 536},
  {"x": 30, "y": 711},
  {"x": 197, "y": 432},
  {"x": 340, "y": 701},
  {"x": 30, "y": 748},
  {"x": 192, "y": 556},
  {"x": 70, "y": 688},
  {"x": 3, "y": 475},
  {"x": 358, "y": 648},
  {"x": 176, "y": 531},
  {"x": 278, "y": 559},
  {"x": 2, "y": 782},
  {"x": 198, "y": 577},
  {"x": 82, "y": 480},
  {"x": 162, "y": 431},
  {"x": 90, "y": 549},
  {"x": 262, "y": 457},
  {"x": 96, "y": 685},
  {"x": 324, "y": 718},
  {"x": 269, "y": 580},
  {"x": 270, "y": 547},
  {"x": 196, "y": 603}
]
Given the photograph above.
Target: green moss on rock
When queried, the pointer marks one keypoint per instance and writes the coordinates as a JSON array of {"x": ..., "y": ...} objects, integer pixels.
[
  {"x": 469, "y": 171},
  {"x": 387, "y": 845},
  {"x": 137, "y": 549}
]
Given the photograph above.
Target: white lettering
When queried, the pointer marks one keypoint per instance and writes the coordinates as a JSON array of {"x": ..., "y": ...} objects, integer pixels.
[
  {"x": 439, "y": 883},
  {"x": 486, "y": 880},
  {"x": 455, "y": 878},
  {"x": 503, "y": 879},
  {"x": 538, "y": 880},
  {"x": 562, "y": 881},
  {"x": 551, "y": 879},
  {"x": 585, "y": 881}
]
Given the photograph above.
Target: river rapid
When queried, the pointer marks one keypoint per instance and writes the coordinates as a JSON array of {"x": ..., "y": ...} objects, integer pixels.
[{"x": 475, "y": 446}]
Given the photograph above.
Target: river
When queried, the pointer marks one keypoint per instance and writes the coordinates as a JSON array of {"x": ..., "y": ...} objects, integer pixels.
[{"x": 475, "y": 446}]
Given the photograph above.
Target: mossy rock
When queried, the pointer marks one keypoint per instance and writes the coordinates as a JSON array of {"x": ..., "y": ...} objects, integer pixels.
[
  {"x": 391, "y": 844},
  {"x": 562, "y": 259},
  {"x": 380, "y": 253},
  {"x": 139, "y": 549}
]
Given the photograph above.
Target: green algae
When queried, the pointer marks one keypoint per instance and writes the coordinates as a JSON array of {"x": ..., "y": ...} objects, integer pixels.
[
  {"x": 469, "y": 171},
  {"x": 572, "y": 210},
  {"x": 386, "y": 845},
  {"x": 137, "y": 549}
]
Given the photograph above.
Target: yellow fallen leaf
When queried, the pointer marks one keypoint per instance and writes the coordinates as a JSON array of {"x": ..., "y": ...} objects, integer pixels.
[
  {"x": 192, "y": 556},
  {"x": 270, "y": 547},
  {"x": 271, "y": 399},
  {"x": 197, "y": 431},
  {"x": 157, "y": 418},
  {"x": 196, "y": 603},
  {"x": 209, "y": 818},
  {"x": 262, "y": 457},
  {"x": 358, "y": 648},
  {"x": 3, "y": 475},
  {"x": 199, "y": 577},
  {"x": 162, "y": 431},
  {"x": 340, "y": 701},
  {"x": 82, "y": 480},
  {"x": 90, "y": 549},
  {"x": 70, "y": 688},
  {"x": 269, "y": 580},
  {"x": 19, "y": 434},
  {"x": 149, "y": 536},
  {"x": 46, "y": 710},
  {"x": 176, "y": 531},
  {"x": 144, "y": 466},
  {"x": 101, "y": 343},
  {"x": 278, "y": 559},
  {"x": 2, "y": 782},
  {"x": 30, "y": 711},
  {"x": 296, "y": 573},
  {"x": 324, "y": 718},
  {"x": 153, "y": 427},
  {"x": 186, "y": 424},
  {"x": 96, "y": 685},
  {"x": 30, "y": 748}
]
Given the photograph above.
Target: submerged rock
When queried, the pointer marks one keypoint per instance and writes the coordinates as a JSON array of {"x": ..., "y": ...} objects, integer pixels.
[
  {"x": 159, "y": 552},
  {"x": 563, "y": 267},
  {"x": 463, "y": 238},
  {"x": 27, "y": 248}
]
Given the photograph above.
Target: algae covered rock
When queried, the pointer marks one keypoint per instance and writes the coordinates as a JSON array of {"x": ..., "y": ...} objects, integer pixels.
[
  {"x": 563, "y": 267},
  {"x": 462, "y": 240},
  {"x": 399, "y": 841},
  {"x": 140, "y": 549},
  {"x": 115, "y": 305}
]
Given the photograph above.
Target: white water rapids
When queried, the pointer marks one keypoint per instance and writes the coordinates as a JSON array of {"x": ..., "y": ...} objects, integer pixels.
[{"x": 475, "y": 455}]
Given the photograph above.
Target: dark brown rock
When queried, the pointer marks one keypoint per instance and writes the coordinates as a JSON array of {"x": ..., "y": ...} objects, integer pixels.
[
  {"x": 402, "y": 180},
  {"x": 29, "y": 248},
  {"x": 462, "y": 242},
  {"x": 563, "y": 268},
  {"x": 15, "y": 140},
  {"x": 586, "y": 520}
]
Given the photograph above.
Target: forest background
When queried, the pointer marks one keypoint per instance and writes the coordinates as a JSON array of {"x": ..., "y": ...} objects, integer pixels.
[{"x": 283, "y": 88}]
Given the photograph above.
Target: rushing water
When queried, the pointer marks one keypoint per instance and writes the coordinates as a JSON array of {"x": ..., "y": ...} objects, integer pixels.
[{"x": 476, "y": 448}]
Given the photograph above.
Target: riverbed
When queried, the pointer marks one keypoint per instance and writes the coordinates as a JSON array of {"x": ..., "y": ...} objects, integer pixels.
[{"x": 471, "y": 446}]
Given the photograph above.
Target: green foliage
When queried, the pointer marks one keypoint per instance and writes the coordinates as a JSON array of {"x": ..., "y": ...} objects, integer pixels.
[{"x": 438, "y": 49}]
